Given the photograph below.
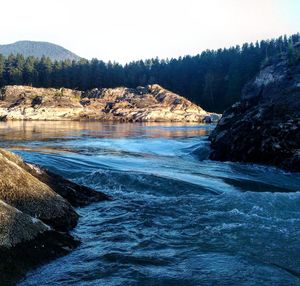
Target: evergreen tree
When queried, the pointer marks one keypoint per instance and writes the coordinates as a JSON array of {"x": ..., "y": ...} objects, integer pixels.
[
  {"x": 293, "y": 54},
  {"x": 212, "y": 79}
]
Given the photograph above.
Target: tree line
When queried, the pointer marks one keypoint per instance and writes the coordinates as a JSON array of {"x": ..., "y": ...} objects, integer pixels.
[{"x": 213, "y": 79}]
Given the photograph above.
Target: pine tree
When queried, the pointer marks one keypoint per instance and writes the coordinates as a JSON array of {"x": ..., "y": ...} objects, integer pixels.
[{"x": 212, "y": 79}]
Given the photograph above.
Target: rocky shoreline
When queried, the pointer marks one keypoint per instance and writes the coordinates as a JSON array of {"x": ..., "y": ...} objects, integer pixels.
[
  {"x": 142, "y": 104},
  {"x": 264, "y": 127},
  {"x": 36, "y": 214}
]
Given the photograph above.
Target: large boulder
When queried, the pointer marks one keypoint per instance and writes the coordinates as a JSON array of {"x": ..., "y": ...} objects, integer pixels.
[
  {"x": 32, "y": 215},
  {"x": 23, "y": 191},
  {"x": 76, "y": 195},
  {"x": 264, "y": 127}
]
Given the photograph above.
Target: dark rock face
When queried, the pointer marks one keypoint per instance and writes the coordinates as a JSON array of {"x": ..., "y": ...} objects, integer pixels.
[
  {"x": 264, "y": 127},
  {"x": 15, "y": 262}
]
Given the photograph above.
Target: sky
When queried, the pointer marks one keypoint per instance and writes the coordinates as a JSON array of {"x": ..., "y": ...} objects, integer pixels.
[{"x": 126, "y": 30}]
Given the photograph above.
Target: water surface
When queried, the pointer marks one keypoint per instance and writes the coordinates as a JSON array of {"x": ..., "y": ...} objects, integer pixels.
[{"x": 176, "y": 218}]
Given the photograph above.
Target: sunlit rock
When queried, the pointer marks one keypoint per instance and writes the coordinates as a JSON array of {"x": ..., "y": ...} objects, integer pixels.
[
  {"x": 151, "y": 103},
  {"x": 23, "y": 191}
]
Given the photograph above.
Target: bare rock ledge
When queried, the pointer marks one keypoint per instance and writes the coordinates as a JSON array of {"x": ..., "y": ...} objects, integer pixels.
[{"x": 151, "y": 103}]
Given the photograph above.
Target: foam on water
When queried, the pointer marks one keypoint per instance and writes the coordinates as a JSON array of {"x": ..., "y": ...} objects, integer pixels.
[{"x": 176, "y": 218}]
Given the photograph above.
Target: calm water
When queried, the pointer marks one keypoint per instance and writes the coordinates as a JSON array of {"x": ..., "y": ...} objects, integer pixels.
[{"x": 176, "y": 218}]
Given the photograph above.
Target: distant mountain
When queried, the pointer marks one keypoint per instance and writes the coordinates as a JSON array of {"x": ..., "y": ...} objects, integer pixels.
[{"x": 38, "y": 49}]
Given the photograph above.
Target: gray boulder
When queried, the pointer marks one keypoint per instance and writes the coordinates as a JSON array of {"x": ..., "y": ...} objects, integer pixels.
[{"x": 76, "y": 195}]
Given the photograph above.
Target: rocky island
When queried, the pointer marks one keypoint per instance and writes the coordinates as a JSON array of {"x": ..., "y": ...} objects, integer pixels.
[
  {"x": 36, "y": 213},
  {"x": 264, "y": 127},
  {"x": 151, "y": 103}
]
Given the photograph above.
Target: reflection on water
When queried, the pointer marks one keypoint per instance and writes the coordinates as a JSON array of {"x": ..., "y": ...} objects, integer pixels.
[
  {"x": 176, "y": 218},
  {"x": 45, "y": 130}
]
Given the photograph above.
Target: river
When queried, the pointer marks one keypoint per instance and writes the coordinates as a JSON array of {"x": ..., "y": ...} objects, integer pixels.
[{"x": 176, "y": 218}]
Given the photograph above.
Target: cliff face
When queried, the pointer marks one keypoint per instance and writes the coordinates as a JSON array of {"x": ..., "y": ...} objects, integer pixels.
[
  {"x": 151, "y": 103},
  {"x": 264, "y": 127}
]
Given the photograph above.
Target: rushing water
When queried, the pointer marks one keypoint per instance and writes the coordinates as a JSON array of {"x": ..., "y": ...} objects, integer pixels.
[{"x": 176, "y": 218}]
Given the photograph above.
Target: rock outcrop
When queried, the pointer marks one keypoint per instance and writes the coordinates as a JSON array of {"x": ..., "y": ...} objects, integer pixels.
[
  {"x": 151, "y": 103},
  {"x": 23, "y": 191},
  {"x": 35, "y": 207},
  {"x": 76, "y": 195},
  {"x": 264, "y": 127}
]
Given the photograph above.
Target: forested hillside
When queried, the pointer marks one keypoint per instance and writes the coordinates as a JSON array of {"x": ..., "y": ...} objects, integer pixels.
[
  {"x": 212, "y": 79},
  {"x": 38, "y": 49}
]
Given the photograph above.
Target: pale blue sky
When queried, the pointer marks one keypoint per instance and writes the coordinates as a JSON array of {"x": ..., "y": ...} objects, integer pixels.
[{"x": 125, "y": 30}]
